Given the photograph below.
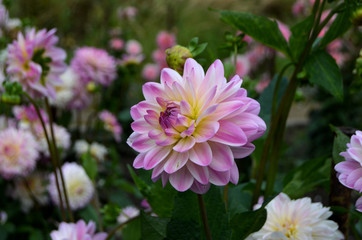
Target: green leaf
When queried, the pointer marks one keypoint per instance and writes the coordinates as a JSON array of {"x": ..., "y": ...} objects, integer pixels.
[
  {"x": 239, "y": 199},
  {"x": 185, "y": 220},
  {"x": 153, "y": 228},
  {"x": 260, "y": 28},
  {"x": 160, "y": 199},
  {"x": 339, "y": 145},
  {"x": 338, "y": 27},
  {"x": 90, "y": 165},
  {"x": 323, "y": 71},
  {"x": 306, "y": 177},
  {"x": 36, "y": 235},
  {"x": 243, "y": 224},
  {"x": 132, "y": 231},
  {"x": 199, "y": 49},
  {"x": 216, "y": 214},
  {"x": 299, "y": 37}
]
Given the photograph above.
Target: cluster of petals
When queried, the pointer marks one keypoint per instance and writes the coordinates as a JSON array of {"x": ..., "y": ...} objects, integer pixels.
[
  {"x": 297, "y": 219},
  {"x": 190, "y": 128},
  {"x": 111, "y": 124},
  {"x": 96, "y": 150},
  {"x": 78, "y": 185},
  {"x": 18, "y": 153},
  {"x": 150, "y": 72},
  {"x": 65, "y": 92},
  {"x": 24, "y": 55},
  {"x": 349, "y": 172},
  {"x": 94, "y": 65},
  {"x": 77, "y": 231},
  {"x": 165, "y": 40},
  {"x": 27, "y": 115}
]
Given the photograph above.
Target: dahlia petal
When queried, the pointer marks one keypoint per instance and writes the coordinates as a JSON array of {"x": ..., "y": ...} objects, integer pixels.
[
  {"x": 219, "y": 178},
  {"x": 164, "y": 178},
  {"x": 189, "y": 131},
  {"x": 175, "y": 161},
  {"x": 230, "y": 134},
  {"x": 184, "y": 144},
  {"x": 158, "y": 170},
  {"x": 205, "y": 131},
  {"x": 201, "y": 174},
  {"x": 155, "y": 156},
  {"x": 193, "y": 72},
  {"x": 168, "y": 76},
  {"x": 225, "y": 108},
  {"x": 205, "y": 100},
  {"x": 201, "y": 154},
  {"x": 152, "y": 118},
  {"x": 165, "y": 140},
  {"x": 185, "y": 109},
  {"x": 139, "y": 161},
  {"x": 141, "y": 142},
  {"x": 347, "y": 166},
  {"x": 353, "y": 177},
  {"x": 358, "y": 185},
  {"x": 355, "y": 153},
  {"x": 222, "y": 157},
  {"x": 200, "y": 188},
  {"x": 359, "y": 204},
  {"x": 234, "y": 174},
  {"x": 181, "y": 180},
  {"x": 215, "y": 74},
  {"x": 243, "y": 151},
  {"x": 151, "y": 90},
  {"x": 155, "y": 134},
  {"x": 140, "y": 125}
]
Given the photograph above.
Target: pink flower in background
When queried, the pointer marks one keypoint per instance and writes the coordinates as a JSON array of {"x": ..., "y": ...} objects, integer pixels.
[
  {"x": 258, "y": 54},
  {"x": 27, "y": 115},
  {"x": 159, "y": 56},
  {"x": 285, "y": 30},
  {"x": 116, "y": 44},
  {"x": 299, "y": 8},
  {"x": 128, "y": 12},
  {"x": 94, "y": 65},
  {"x": 81, "y": 97},
  {"x": 297, "y": 219},
  {"x": 127, "y": 213},
  {"x": 18, "y": 153},
  {"x": 150, "y": 72},
  {"x": 242, "y": 66},
  {"x": 335, "y": 50},
  {"x": 131, "y": 59},
  {"x": 263, "y": 83},
  {"x": 133, "y": 47},
  {"x": 349, "y": 172},
  {"x": 36, "y": 63},
  {"x": 78, "y": 185},
  {"x": 189, "y": 129},
  {"x": 77, "y": 231},
  {"x": 165, "y": 40},
  {"x": 111, "y": 124}
]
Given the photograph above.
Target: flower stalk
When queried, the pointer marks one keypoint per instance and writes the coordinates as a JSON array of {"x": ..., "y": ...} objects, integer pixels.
[{"x": 204, "y": 216}]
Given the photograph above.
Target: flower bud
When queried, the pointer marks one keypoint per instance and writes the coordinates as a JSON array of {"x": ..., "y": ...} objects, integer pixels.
[
  {"x": 356, "y": 18},
  {"x": 176, "y": 57},
  {"x": 10, "y": 99},
  {"x": 91, "y": 87}
]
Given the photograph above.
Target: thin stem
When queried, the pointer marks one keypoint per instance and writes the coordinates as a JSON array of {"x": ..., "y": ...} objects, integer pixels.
[
  {"x": 50, "y": 147},
  {"x": 277, "y": 84},
  {"x": 57, "y": 160},
  {"x": 204, "y": 216},
  {"x": 31, "y": 194},
  {"x": 114, "y": 230},
  {"x": 95, "y": 204}
]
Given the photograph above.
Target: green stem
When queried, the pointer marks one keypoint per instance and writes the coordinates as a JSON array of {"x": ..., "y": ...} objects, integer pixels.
[
  {"x": 95, "y": 204},
  {"x": 51, "y": 152},
  {"x": 226, "y": 196},
  {"x": 204, "y": 216},
  {"x": 114, "y": 230},
  {"x": 276, "y": 89},
  {"x": 57, "y": 160}
]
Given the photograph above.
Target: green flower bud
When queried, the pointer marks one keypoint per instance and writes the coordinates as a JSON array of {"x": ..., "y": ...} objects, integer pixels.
[
  {"x": 356, "y": 18},
  {"x": 176, "y": 57},
  {"x": 10, "y": 99},
  {"x": 91, "y": 87}
]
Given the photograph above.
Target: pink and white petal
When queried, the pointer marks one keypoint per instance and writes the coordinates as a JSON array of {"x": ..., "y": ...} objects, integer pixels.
[
  {"x": 353, "y": 177},
  {"x": 199, "y": 188},
  {"x": 230, "y": 134},
  {"x": 200, "y": 173},
  {"x": 155, "y": 134},
  {"x": 175, "y": 161},
  {"x": 222, "y": 157},
  {"x": 140, "y": 142},
  {"x": 181, "y": 180},
  {"x": 359, "y": 204},
  {"x": 193, "y": 72},
  {"x": 243, "y": 151},
  {"x": 165, "y": 178},
  {"x": 139, "y": 161},
  {"x": 205, "y": 130},
  {"x": 152, "y": 118},
  {"x": 230, "y": 88},
  {"x": 355, "y": 153},
  {"x": 234, "y": 174},
  {"x": 184, "y": 144},
  {"x": 215, "y": 74},
  {"x": 185, "y": 109},
  {"x": 155, "y": 156},
  {"x": 225, "y": 108},
  {"x": 151, "y": 90},
  {"x": 165, "y": 141},
  {"x": 219, "y": 178},
  {"x": 358, "y": 185},
  {"x": 347, "y": 166},
  {"x": 158, "y": 170},
  {"x": 206, "y": 99},
  {"x": 168, "y": 76},
  {"x": 201, "y": 154},
  {"x": 140, "y": 125}
]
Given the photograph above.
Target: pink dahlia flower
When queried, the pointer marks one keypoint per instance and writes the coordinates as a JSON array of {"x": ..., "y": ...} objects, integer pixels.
[
  {"x": 77, "y": 231},
  {"x": 18, "y": 153},
  {"x": 27, "y": 115},
  {"x": 150, "y": 72},
  {"x": 111, "y": 124},
  {"x": 133, "y": 47},
  {"x": 116, "y": 44},
  {"x": 94, "y": 65},
  {"x": 165, "y": 40},
  {"x": 349, "y": 172},
  {"x": 36, "y": 63},
  {"x": 242, "y": 66},
  {"x": 189, "y": 129}
]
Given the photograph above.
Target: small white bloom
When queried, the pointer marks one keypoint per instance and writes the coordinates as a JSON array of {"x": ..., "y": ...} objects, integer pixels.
[
  {"x": 62, "y": 137},
  {"x": 81, "y": 147},
  {"x": 78, "y": 185},
  {"x": 127, "y": 213},
  {"x": 98, "y": 151},
  {"x": 3, "y": 217},
  {"x": 64, "y": 91}
]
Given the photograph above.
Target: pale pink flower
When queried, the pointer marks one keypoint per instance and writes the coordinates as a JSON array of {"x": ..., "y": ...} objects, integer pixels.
[
  {"x": 77, "y": 231},
  {"x": 258, "y": 54},
  {"x": 189, "y": 129},
  {"x": 127, "y": 213},
  {"x": 94, "y": 65},
  {"x": 18, "y": 153},
  {"x": 299, "y": 8},
  {"x": 165, "y": 40},
  {"x": 78, "y": 185},
  {"x": 150, "y": 72},
  {"x": 28, "y": 116},
  {"x": 263, "y": 83},
  {"x": 116, "y": 44},
  {"x": 242, "y": 65},
  {"x": 133, "y": 47},
  {"x": 81, "y": 97},
  {"x": 131, "y": 59},
  {"x": 128, "y": 12},
  {"x": 111, "y": 124},
  {"x": 359, "y": 204},
  {"x": 36, "y": 63},
  {"x": 297, "y": 219},
  {"x": 65, "y": 92},
  {"x": 349, "y": 172},
  {"x": 159, "y": 56}
]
